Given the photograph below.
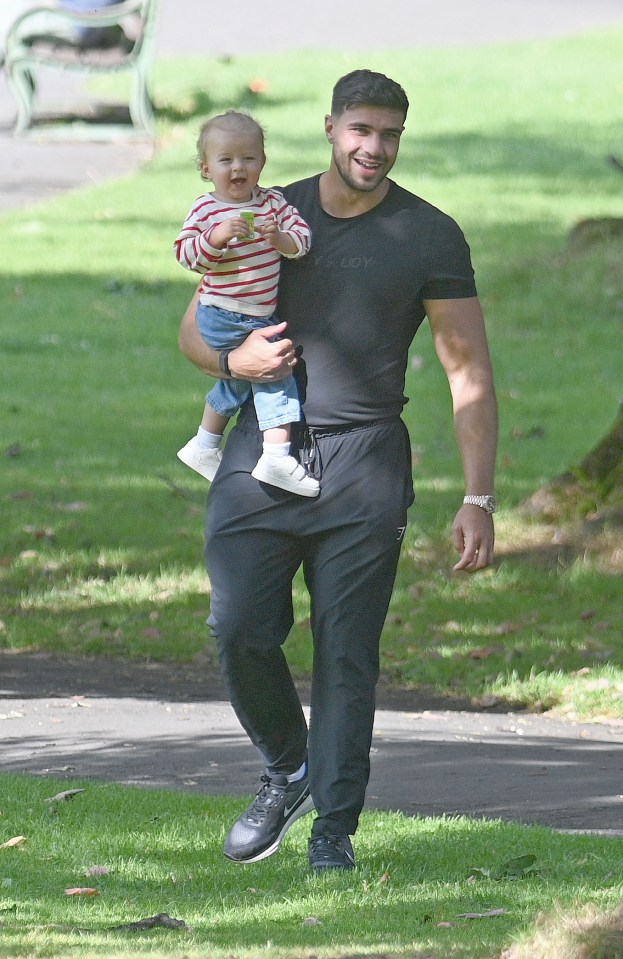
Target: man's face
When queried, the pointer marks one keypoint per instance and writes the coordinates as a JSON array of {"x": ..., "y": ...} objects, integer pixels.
[{"x": 365, "y": 142}]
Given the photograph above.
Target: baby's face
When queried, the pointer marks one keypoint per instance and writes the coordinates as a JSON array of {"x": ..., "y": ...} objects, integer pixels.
[{"x": 234, "y": 162}]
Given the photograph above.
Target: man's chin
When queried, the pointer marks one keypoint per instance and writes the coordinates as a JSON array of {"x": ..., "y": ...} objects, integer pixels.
[{"x": 363, "y": 184}]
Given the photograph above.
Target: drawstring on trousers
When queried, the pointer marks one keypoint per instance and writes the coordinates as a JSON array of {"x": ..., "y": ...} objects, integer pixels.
[{"x": 309, "y": 454}]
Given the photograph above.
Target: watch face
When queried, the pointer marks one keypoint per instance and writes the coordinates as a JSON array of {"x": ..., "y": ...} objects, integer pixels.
[{"x": 490, "y": 504}]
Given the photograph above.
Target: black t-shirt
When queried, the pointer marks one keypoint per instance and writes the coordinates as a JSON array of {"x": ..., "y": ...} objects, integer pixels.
[{"x": 354, "y": 303}]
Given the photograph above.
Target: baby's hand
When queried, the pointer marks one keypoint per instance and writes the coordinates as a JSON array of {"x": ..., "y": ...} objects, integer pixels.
[
  {"x": 282, "y": 242},
  {"x": 235, "y": 227},
  {"x": 269, "y": 230}
]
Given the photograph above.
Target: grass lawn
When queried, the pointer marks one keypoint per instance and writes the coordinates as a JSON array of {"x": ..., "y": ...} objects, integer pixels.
[
  {"x": 101, "y": 532},
  {"x": 434, "y": 888}
]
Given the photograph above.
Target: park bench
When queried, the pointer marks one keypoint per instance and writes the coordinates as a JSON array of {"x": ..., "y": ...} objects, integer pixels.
[{"x": 126, "y": 30}]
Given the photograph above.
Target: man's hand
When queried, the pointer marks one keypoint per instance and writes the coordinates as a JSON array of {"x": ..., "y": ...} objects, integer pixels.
[
  {"x": 473, "y": 537},
  {"x": 257, "y": 359},
  {"x": 261, "y": 361}
]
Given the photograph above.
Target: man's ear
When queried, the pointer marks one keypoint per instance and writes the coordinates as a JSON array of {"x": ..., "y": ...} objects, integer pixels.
[{"x": 328, "y": 127}]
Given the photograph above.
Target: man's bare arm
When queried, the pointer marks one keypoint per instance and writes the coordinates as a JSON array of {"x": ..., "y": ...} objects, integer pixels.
[
  {"x": 257, "y": 359},
  {"x": 461, "y": 344}
]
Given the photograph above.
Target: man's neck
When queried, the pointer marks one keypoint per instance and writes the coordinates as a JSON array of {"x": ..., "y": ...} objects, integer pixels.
[{"x": 339, "y": 200}]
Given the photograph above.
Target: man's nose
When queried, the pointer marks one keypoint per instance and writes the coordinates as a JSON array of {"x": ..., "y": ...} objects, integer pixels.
[{"x": 373, "y": 144}]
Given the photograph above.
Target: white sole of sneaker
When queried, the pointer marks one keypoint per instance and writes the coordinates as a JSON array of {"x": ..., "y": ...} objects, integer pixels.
[
  {"x": 304, "y": 808},
  {"x": 263, "y": 476}
]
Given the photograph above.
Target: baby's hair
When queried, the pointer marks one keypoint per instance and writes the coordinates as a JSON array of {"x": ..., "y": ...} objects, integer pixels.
[{"x": 232, "y": 121}]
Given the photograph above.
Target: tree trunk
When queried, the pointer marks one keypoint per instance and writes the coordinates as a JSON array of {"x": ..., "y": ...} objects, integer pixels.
[{"x": 595, "y": 485}]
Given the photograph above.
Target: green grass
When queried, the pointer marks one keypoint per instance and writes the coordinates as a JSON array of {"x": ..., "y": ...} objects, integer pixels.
[
  {"x": 101, "y": 533},
  {"x": 162, "y": 853}
]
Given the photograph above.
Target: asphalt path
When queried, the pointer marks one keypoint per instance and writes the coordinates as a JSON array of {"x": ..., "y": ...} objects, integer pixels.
[
  {"x": 171, "y": 727},
  {"x": 166, "y": 726}
]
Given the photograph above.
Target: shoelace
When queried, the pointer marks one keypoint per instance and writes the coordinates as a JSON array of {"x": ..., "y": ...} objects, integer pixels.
[
  {"x": 264, "y": 800},
  {"x": 326, "y": 846}
]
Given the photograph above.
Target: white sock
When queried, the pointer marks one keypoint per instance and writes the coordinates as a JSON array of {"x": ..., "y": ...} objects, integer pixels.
[
  {"x": 208, "y": 441},
  {"x": 300, "y": 773},
  {"x": 276, "y": 449}
]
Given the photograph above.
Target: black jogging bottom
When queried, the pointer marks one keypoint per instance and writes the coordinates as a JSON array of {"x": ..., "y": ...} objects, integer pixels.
[{"x": 348, "y": 542}]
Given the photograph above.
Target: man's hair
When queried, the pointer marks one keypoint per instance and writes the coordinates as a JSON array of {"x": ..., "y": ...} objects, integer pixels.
[
  {"x": 364, "y": 87},
  {"x": 232, "y": 121}
]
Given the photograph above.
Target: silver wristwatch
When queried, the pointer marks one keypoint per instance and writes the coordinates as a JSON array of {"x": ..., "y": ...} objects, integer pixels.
[{"x": 486, "y": 502}]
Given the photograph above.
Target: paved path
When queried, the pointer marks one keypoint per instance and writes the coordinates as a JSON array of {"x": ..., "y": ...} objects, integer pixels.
[
  {"x": 158, "y": 726},
  {"x": 161, "y": 726}
]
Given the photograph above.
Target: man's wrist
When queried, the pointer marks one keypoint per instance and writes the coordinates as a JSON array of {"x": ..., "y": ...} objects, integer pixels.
[
  {"x": 485, "y": 501},
  {"x": 223, "y": 363}
]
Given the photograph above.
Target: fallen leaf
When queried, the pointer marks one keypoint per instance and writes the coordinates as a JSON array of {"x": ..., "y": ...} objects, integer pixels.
[
  {"x": 45, "y": 532},
  {"x": 82, "y": 891},
  {"x": 311, "y": 921},
  {"x": 484, "y": 652},
  {"x": 65, "y": 795},
  {"x": 96, "y": 871},
  {"x": 15, "y": 841},
  {"x": 162, "y": 919},
  {"x": 483, "y": 915},
  {"x": 258, "y": 85},
  {"x": 485, "y": 702},
  {"x": 505, "y": 629},
  {"x": 445, "y": 925}
]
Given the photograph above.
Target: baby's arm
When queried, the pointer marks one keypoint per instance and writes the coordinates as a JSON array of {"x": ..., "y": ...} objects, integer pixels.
[
  {"x": 282, "y": 242},
  {"x": 285, "y": 229},
  {"x": 197, "y": 249}
]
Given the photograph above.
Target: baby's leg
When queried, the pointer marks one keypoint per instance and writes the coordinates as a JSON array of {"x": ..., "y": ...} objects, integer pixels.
[
  {"x": 213, "y": 422},
  {"x": 202, "y": 453}
]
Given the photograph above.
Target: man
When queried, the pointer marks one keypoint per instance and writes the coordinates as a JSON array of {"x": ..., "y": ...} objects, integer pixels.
[{"x": 381, "y": 260}]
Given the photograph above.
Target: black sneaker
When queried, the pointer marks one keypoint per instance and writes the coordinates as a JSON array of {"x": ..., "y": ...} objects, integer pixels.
[
  {"x": 331, "y": 852},
  {"x": 257, "y": 834}
]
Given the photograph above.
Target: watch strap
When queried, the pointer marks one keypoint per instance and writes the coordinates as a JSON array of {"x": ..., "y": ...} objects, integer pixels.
[
  {"x": 223, "y": 362},
  {"x": 485, "y": 501}
]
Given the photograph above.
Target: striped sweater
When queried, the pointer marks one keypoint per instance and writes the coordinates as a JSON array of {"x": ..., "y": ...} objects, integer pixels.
[{"x": 244, "y": 276}]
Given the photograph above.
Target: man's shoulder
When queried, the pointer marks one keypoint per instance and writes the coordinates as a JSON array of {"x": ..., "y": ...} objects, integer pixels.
[
  {"x": 425, "y": 215},
  {"x": 405, "y": 199},
  {"x": 300, "y": 188}
]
